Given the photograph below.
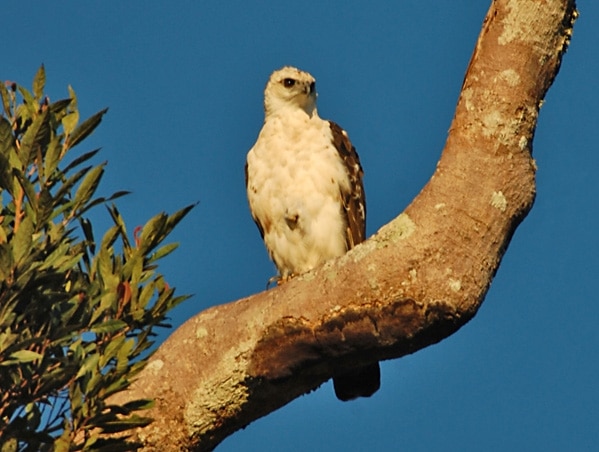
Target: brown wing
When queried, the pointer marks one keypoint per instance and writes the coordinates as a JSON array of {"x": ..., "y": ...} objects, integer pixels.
[
  {"x": 365, "y": 380},
  {"x": 354, "y": 200}
]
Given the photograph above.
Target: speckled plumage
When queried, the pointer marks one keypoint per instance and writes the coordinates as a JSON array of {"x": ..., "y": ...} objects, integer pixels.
[
  {"x": 305, "y": 194},
  {"x": 304, "y": 186}
]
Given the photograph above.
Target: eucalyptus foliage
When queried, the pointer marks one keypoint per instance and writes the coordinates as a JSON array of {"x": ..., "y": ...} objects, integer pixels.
[{"x": 76, "y": 316}]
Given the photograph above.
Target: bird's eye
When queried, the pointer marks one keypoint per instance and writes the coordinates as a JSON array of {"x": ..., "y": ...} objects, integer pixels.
[
  {"x": 312, "y": 87},
  {"x": 288, "y": 82}
]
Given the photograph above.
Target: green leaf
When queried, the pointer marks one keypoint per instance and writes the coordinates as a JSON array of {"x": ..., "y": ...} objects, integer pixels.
[
  {"x": 27, "y": 187},
  {"x": 6, "y": 137},
  {"x": 109, "y": 326},
  {"x": 152, "y": 230},
  {"x": 85, "y": 128},
  {"x": 24, "y": 356},
  {"x": 23, "y": 239},
  {"x": 107, "y": 302},
  {"x": 52, "y": 156},
  {"x": 45, "y": 203},
  {"x": 175, "y": 218},
  {"x": 3, "y": 235},
  {"x": 68, "y": 262},
  {"x": 36, "y": 136},
  {"x": 39, "y": 82},
  {"x": 93, "y": 383},
  {"x": 123, "y": 355},
  {"x": 118, "y": 194},
  {"x": 91, "y": 441},
  {"x": 163, "y": 251},
  {"x": 30, "y": 103},
  {"x": 116, "y": 386},
  {"x": 79, "y": 160},
  {"x": 57, "y": 257},
  {"x": 62, "y": 444},
  {"x": 58, "y": 108},
  {"x": 33, "y": 416},
  {"x": 107, "y": 241},
  {"x": 103, "y": 200},
  {"x": 66, "y": 187},
  {"x": 73, "y": 98},
  {"x": 125, "y": 424},
  {"x": 6, "y": 261},
  {"x": 7, "y": 338},
  {"x": 143, "y": 300},
  {"x": 69, "y": 122},
  {"x": 88, "y": 233},
  {"x": 120, "y": 225},
  {"x": 11, "y": 445},
  {"x": 88, "y": 186},
  {"x": 7, "y": 153},
  {"x": 90, "y": 364},
  {"x": 112, "y": 349},
  {"x": 5, "y": 100}
]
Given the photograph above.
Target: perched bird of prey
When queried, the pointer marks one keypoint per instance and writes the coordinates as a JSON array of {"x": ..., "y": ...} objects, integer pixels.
[{"x": 304, "y": 186}]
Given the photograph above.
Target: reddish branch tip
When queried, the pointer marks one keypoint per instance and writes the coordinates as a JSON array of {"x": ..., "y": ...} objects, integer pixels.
[{"x": 136, "y": 235}]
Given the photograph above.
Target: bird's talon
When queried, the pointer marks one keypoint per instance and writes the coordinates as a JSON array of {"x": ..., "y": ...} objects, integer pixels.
[
  {"x": 273, "y": 279},
  {"x": 279, "y": 280}
]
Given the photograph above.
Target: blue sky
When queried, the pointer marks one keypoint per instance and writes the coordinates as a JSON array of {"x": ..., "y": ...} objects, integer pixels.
[{"x": 184, "y": 84}]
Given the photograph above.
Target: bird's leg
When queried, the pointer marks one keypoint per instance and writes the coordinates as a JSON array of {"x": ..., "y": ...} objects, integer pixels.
[
  {"x": 273, "y": 279},
  {"x": 279, "y": 280}
]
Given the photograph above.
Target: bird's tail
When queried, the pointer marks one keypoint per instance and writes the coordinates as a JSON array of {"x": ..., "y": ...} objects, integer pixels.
[{"x": 359, "y": 382}]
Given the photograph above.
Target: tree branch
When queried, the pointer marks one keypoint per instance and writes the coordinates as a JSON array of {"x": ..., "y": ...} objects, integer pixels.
[{"x": 416, "y": 281}]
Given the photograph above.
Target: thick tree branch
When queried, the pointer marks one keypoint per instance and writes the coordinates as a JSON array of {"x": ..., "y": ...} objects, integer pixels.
[{"x": 415, "y": 282}]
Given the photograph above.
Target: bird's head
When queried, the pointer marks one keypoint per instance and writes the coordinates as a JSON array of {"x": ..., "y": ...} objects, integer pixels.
[{"x": 290, "y": 88}]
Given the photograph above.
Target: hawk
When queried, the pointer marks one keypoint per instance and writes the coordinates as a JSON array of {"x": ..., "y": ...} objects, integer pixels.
[{"x": 305, "y": 191}]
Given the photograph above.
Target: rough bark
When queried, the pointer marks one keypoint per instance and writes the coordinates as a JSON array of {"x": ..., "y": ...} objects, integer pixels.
[{"x": 416, "y": 281}]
